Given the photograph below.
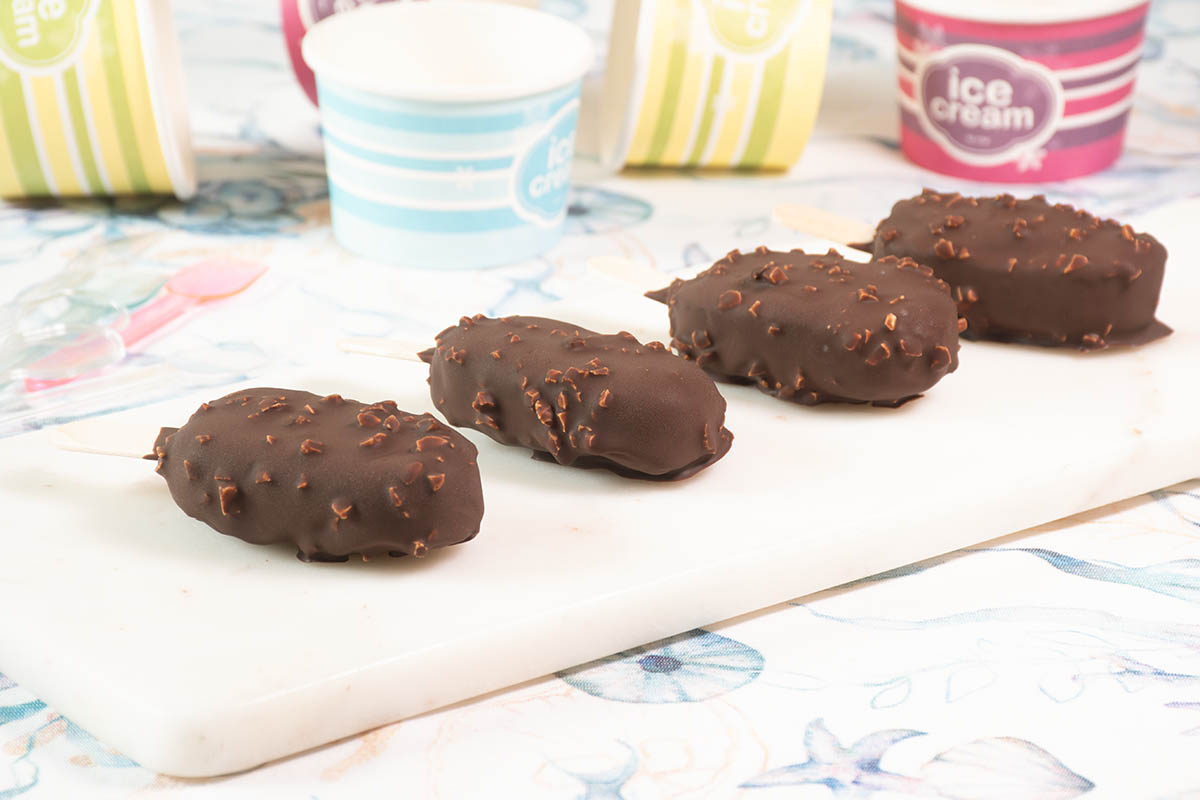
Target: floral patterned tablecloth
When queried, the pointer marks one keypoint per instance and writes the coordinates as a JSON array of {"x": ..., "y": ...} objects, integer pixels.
[{"x": 1059, "y": 663}]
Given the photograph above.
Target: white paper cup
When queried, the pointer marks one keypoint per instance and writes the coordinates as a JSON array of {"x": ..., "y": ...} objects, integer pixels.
[
  {"x": 300, "y": 15},
  {"x": 449, "y": 129}
]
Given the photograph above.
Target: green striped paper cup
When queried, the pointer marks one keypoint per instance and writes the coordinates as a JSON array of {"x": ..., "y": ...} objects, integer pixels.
[
  {"x": 710, "y": 83},
  {"x": 92, "y": 100}
]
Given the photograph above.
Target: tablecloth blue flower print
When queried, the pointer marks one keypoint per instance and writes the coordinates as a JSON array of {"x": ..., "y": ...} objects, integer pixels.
[{"x": 1060, "y": 663}]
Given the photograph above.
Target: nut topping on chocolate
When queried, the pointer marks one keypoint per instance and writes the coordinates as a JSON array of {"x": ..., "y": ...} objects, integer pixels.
[
  {"x": 1029, "y": 271},
  {"x": 581, "y": 398},
  {"x": 351, "y": 496},
  {"x": 830, "y": 336}
]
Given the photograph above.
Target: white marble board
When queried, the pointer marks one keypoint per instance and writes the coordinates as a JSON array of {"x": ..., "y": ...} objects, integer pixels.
[{"x": 197, "y": 654}]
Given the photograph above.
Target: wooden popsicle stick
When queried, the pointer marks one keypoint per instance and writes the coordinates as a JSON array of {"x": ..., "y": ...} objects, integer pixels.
[
  {"x": 629, "y": 272},
  {"x": 803, "y": 219},
  {"x": 405, "y": 350},
  {"x": 106, "y": 438},
  {"x": 824, "y": 224}
]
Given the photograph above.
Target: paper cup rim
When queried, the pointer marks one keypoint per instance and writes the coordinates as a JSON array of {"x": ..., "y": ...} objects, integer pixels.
[
  {"x": 1023, "y": 12},
  {"x": 320, "y": 42},
  {"x": 168, "y": 94}
]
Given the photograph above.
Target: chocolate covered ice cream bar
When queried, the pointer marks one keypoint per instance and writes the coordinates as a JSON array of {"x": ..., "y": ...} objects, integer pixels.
[
  {"x": 331, "y": 476},
  {"x": 1029, "y": 271},
  {"x": 815, "y": 328},
  {"x": 577, "y": 397}
]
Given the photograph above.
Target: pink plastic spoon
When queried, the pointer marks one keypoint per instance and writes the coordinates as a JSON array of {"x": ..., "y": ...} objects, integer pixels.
[{"x": 199, "y": 283}]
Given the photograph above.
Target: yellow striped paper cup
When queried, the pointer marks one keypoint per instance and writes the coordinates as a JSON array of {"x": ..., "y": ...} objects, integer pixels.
[
  {"x": 714, "y": 83},
  {"x": 92, "y": 100}
]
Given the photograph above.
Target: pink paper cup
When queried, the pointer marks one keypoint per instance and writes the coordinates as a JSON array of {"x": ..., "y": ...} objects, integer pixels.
[
  {"x": 1020, "y": 91},
  {"x": 297, "y": 16}
]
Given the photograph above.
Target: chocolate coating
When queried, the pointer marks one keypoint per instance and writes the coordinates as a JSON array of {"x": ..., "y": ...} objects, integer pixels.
[
  {"x": 333, "y": 477},
  {"x": 578, "y": 397},
  {"x": 1028, "y": 271},
  {"x": 815, "y": 328}
]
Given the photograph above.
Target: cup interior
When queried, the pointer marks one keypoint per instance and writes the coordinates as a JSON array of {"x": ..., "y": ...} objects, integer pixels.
[
  {"x": 448, "y": 50},
  {"x": 1026, "y": 12}
]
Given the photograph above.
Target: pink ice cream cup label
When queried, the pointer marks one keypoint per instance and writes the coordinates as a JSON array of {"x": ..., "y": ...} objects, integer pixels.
[{"x": 1016, "y": 101}]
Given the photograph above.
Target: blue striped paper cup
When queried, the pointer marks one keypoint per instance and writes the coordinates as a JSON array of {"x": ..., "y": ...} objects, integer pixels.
[{"x": 449, "y": 129}]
